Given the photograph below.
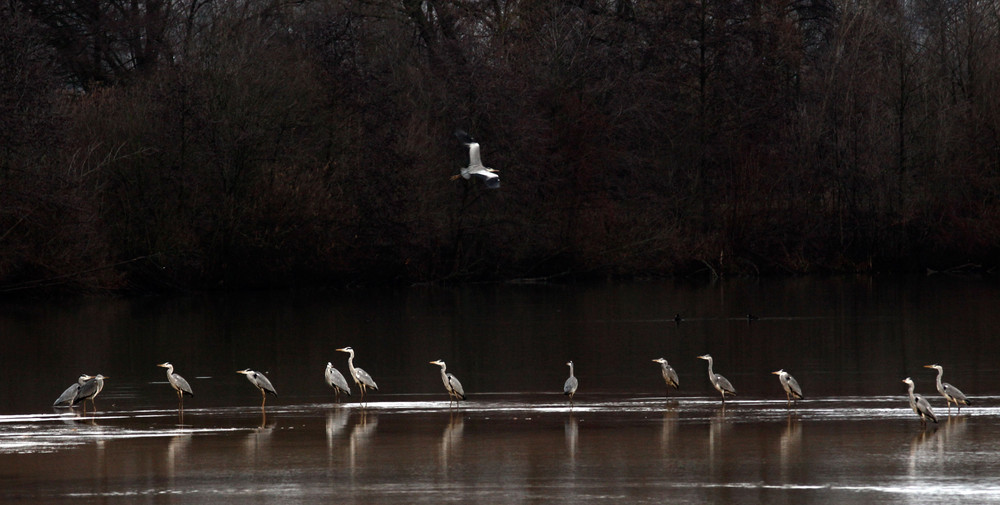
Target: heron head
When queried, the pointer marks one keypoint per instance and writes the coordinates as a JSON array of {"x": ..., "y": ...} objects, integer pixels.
[
  {"x": 705, "y": 356},
  {"x": 660, "y": 361},
  {"x": 936, "y": 366},
  {"x": 908, "y": 381},
  {"x": 570, "y": 363},
  {"x": 245, "y": 371},
  {"x": 437, "y": 362},
  {"x": 779, "y": 372},
  {"x": 165, "y": 365},
  {"x": 346, "y": 349}
]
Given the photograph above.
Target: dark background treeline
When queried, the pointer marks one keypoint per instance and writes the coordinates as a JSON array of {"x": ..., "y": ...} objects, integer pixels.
[{"x": 152, "y": 145}]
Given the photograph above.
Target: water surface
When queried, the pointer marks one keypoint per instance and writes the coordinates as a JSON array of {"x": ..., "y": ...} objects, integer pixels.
[{"x": 517, "y": 440}]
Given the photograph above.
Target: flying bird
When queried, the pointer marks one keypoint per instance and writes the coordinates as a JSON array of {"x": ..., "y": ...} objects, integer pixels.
[{"x": 476, "y": 168}]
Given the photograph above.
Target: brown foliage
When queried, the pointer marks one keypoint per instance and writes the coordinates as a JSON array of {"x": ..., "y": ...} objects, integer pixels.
[{"x": 266, "y": 143}]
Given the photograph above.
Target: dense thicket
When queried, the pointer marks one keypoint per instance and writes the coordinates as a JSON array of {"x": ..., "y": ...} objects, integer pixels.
[{"x": 203, "y": 143}]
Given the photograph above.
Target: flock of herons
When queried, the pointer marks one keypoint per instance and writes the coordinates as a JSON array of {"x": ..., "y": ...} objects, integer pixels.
[{"x": 88, "y": 387}]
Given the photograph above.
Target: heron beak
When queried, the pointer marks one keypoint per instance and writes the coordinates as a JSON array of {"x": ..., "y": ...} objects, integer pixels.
[
  {"x": 928, "y": 366},
  {"x": 342, "y": 349},
  {"x": 244, "y": 372},
  {"x": 776, "y": 373},
  {"x": 164, "y": 365}
]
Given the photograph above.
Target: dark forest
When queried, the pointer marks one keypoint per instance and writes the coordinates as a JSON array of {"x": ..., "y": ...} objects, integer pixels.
[{"x": 150, "y": 146}]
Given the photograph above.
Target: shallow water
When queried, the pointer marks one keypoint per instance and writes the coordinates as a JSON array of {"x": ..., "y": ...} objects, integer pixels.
[
  {"x": 849, "y": 342},
  {"x": 506, "y": 448}
]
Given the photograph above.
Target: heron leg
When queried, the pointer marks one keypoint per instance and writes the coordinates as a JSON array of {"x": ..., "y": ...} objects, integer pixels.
[{"x": 263, "y": 398}]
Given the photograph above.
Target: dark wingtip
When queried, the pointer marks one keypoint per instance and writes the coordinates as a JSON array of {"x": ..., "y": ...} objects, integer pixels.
[{"x": 464, "y": 136}]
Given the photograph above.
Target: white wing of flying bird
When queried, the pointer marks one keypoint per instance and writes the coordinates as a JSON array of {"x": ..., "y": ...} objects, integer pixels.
[{"x": 476, "y": 168}]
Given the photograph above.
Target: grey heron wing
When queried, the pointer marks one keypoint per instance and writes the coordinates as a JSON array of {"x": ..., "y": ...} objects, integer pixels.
[
  {"x": 793, "y": 386},
  {"x": 725, "y": 384},
  {"x": 463, "y": 136},
  {"x": 336, "y": 380},
  {"x": 68, "y": 396},
  {"x": 570, "y": 385},
  {"x": 181, "y": 384},
  {"x": 87, "y": 390},
  {"x": 456, "y": 386},
  {"x": 924, "y": 408},
  {"x": 671, "y": 375},
  {"x": 954, "y": 393},
  {"x": 263, "y": 383},
  {"x": 364, "y": 378}
]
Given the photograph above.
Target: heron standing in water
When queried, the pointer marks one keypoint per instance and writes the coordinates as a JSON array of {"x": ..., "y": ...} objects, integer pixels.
[
  {"x": 177, "y": 382},
  {"x": 476, "y": 168},
  {"x": 790, "y": 385},
  {"x": 336, "y": 380},
  {"x": 67, "y": 397},
  {"x": 919, "y": 404},
  {"x": 718, "y": 382},
  {"x": 361, "y": 377},
  {"x": 261, "y": 383},
  {"x": 669, "y": 375},
  {"x": 950, "y": 393},
  {"x": 569, "y": 388},
  {"x": 89, "y": 390},
  {"x": 451, "y": 384}
]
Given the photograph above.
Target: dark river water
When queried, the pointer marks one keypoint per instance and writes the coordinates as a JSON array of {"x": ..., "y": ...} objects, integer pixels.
[{"x": 625, "y": 439}]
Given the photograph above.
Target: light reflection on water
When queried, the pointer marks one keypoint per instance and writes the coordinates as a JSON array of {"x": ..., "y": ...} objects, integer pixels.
[
  {"x": 849, "y": 342},
  {"x": 511, "y": 449}
]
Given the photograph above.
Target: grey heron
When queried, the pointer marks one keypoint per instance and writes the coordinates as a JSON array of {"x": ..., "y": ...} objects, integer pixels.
[
  {"x": 177, "y": 382},
  {"x": 950, "y": 393},
  {"x": 669, "y": 375},
  {"x": 89, "y": 390},
  {"x": 261, "y": 383},
  {"x": 336, "y": 380},
  {"x": 455, "y": 390},
  {"x": 919, "y": 404},
  {"x": 790, "y": 385},
  {"x": 476, "y": 168},
  {"x": 68, "y": 397},
  {"x": 569, "y": 388},
  {"x": 719, "y": 382},
  {"x": 361, "y": 377}
]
